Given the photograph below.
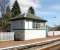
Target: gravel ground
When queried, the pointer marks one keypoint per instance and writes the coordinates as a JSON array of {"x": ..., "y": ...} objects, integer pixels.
[{"x": 57, "y": 47}]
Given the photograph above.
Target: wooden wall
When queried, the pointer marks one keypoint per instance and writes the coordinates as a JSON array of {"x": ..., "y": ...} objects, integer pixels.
[{"x": 6, "y": 36}]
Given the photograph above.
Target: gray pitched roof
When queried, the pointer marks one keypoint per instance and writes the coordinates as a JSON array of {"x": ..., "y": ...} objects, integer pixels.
[{"x": 28, "y": 16}]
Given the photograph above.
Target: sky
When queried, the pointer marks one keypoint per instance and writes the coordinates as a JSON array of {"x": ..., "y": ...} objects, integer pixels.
[
  {"x": 50, "y": 10},
  {"x": 25, "y": 4},
  {"x": 47, "y": 9},
  {"x": 3, "y": 6}
]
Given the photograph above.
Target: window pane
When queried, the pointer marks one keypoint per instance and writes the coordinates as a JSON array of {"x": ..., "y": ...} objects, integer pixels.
[
  {"x": 42, "y": 26},
  {"x": 34, "y": 25},
  {"x": 37, "y": 25}
]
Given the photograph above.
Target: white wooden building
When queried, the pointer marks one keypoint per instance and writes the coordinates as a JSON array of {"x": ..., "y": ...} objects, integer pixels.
[{"x": 27, "y": 27}]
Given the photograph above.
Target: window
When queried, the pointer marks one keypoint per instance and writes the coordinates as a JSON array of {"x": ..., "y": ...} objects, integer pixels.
[
  {"x": 38, "y": 25},
  {"x": 34, "y": 25},
  {"x": 42, "y": 26}
]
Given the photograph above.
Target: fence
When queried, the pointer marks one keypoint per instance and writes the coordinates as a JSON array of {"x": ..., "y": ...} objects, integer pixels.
[
  {"x": 6, "y": 36},
  {"x": 53, "y": 33}
]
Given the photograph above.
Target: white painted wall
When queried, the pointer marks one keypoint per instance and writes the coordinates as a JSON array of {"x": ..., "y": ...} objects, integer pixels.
[
  {"x": 34, "y": 34},
  {"x": 28, "y": 24},
  {"x": 55, "y": 33},
  {"x": 6, "y": 36},
  {"x": 27, "y": 34}
]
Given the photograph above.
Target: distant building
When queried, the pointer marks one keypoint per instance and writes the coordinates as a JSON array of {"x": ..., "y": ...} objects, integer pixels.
[{"x": 28, "y": 27}]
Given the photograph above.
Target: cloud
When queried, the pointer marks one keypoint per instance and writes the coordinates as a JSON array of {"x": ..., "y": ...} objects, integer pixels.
[
  {"x": 25, "y": 4},
  {"x": 11, "y": 3}
]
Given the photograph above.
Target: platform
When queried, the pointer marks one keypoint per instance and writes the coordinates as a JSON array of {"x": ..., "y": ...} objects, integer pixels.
[{"x": 29, "y": 43}]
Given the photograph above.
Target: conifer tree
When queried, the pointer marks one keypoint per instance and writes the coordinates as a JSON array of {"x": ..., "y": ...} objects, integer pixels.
[
  {"x": 31, "y": 10},
  {"x": 15, "y": 10}
]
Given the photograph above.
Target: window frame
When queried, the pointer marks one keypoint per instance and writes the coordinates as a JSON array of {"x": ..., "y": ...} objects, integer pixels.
[{"x": 37, "y": 25}]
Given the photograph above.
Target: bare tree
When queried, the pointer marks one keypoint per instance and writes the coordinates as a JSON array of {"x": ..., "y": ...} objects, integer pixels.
[{"x": 3, "y": 5}]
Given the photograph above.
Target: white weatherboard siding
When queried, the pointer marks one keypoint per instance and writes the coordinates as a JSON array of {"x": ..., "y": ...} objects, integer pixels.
[
  {"x": 30, "y": 33},
  {"x": 28, "y": 24},
  {"x": 34, "y": 34},
  {"x": 6, "y": 36},
  {"x": 24, "y": 30}
]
